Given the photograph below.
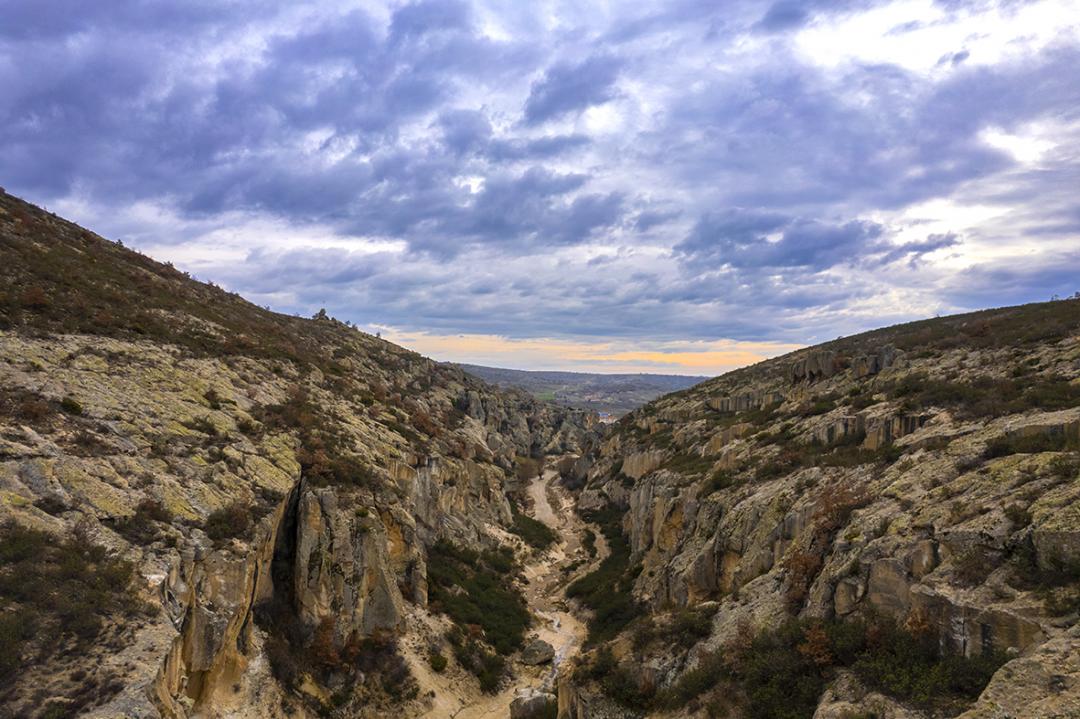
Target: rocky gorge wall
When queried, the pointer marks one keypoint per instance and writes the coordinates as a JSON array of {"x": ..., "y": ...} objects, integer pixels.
[
  {"x": 929, "y": 475},
  {"x": 273, "y": 484}
]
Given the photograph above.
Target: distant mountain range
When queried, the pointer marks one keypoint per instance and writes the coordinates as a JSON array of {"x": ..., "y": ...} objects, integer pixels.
[{"x": 613, "y": 393}]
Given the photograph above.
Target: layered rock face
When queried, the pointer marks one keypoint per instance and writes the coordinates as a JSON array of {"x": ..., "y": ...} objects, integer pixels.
[
  {"x": 927, "y": 473},
  {"x": 260, "y": 471}
]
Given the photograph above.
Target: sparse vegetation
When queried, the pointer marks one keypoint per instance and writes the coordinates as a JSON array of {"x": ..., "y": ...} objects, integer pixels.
[
  {"x": 985, "y": 396},
  {"x": 1030, "y": 444},
  {"x": 535, "y": 533},
  {"x": 326, "y": 456},
  {"x": 141, "y": 527},
  {"x": 57, "y": 594},
  {"x": 607, "y": 590},
  {"x": 232, "y": 521},
  {"x": 781, "y": 673},
  {"x": 472, "y": 588}
]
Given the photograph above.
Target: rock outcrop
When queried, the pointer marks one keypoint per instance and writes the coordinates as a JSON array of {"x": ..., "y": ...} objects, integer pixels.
[
  {"x": 927, "y": 474},
  {"x": 276, "y": 483}
]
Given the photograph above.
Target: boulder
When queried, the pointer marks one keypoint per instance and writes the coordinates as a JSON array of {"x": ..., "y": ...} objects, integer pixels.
[
  {"x": 531, "y": 704},
  {"x": 537, "y": 652}
]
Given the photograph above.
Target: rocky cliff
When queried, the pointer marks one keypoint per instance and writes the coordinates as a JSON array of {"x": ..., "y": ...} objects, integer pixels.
[
  {"x": 210, "y": 509},
  {"x": 885, "y": 525}
]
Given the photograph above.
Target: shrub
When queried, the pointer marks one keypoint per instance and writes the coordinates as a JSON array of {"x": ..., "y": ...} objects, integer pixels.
[
  {"x": 782, "y": 672},
  {"x": 719, "y": 480},
  {"x": 608, "y": 590},
  {"x": 972, "y": 566},
  {"x": 295, "y": 650},
  {"x": 213, "y": 399},
  {"x": 203, "y": 425},
  {"x": 1056, "y": 579},
  {"x": 231, "y": 521},
  {"x": 71, "y": 405},
  {"x": 986, "y": 396},
  {"x": 140, "y": 527},
  {"x": 527, "y": 468},
  {"x": 688, "y": 627},
  {"x": 588, "y": 541},
  {"x": 57, "y": 593},
  {"x": 487, "y": 666},
  {"x": 472, "y": 589},
  {"x": 535, "y": 533},
  {"x": 25, "y": 407},
  {"x": 437, "y": 661},
  {"x": 1065, "y": 467},
  {"x": 821, "y": 405},
  {"x": 689, "y": 463},
  {"x": 1019, "y": 515},
  {"x": 1027, "y": 444}
]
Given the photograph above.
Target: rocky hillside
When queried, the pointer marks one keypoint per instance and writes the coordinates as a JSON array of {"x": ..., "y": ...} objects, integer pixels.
[
  {"x": 209, "y": 509},
  {"x": 887, "y": 525}
]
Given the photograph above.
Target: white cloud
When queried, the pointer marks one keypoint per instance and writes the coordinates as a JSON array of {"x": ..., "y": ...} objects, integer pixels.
[{"x": 922, "y": 36}]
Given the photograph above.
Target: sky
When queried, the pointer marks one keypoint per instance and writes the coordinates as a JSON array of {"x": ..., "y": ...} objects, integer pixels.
[{"x": 680, "y": 187}]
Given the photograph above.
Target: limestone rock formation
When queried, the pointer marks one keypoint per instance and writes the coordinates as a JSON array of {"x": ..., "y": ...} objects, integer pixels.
[
  {"x": 272, "y": 484},
  {"x": 926, "y": 475}
]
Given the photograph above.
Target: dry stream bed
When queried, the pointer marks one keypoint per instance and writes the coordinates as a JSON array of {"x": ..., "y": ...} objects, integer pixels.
[{"x": 457, "y": 697}]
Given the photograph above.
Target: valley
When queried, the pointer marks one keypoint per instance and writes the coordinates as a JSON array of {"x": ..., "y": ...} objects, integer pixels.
[
  {"x": 547, "y": 574},
  {"x": 610, "y": 394},
  {"x": 212, "y": 510}
]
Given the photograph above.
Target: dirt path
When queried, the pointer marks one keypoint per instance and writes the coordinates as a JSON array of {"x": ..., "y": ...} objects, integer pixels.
[{"x": 556, "y": 624}]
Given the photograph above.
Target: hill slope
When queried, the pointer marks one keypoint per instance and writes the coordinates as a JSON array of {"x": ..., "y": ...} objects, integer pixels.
[
  {"x": 208, "y": 508},
  {"x": 882, "y": 525},
  {"x": 611, "y": 393}
]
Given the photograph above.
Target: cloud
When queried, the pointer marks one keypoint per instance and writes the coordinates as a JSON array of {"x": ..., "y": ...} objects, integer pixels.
[
  {"x": 783, "y": 15},
  {"x": 684, "y": 171},
  {"x": 567, "y": 88}
]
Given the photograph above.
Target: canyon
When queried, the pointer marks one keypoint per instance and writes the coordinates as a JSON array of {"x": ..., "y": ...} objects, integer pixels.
[{"x": 212, "y": 510}]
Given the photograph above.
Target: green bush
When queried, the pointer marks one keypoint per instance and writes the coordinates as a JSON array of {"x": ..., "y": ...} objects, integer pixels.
[
  {"x": 473, "y": 589},
  {"x": 535, "y": 533},
  {"x": 71, "y": 405},
  {"x": 437, "y": 661},
  {"x": 607, "y": 590}
]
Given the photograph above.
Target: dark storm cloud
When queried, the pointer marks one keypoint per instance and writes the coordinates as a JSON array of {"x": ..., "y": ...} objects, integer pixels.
[
  {"x": 784, "y": 15},
  {"x": 459, "y": 130},
  {"x": 748, "y": 239},
  {"x": 568, "y": 87}
]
